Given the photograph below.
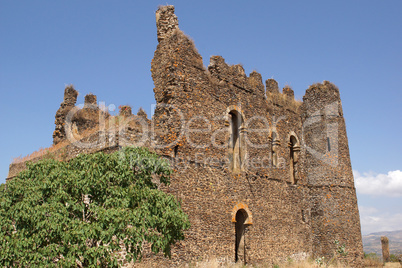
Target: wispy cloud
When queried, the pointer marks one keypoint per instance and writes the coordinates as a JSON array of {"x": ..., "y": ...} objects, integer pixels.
[
  {"x": 373, "y": 220},
  {"x": 379, "y": 184}
]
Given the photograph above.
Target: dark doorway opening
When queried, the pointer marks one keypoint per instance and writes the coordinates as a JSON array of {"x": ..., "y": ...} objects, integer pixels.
[{"x": 241, "y": 227}]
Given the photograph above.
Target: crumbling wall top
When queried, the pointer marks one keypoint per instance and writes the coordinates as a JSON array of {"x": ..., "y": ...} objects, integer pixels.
[
  {"x": 272, "y": 86},
  {"x": 142, "y": 113},
  {"x": 228, "y": 75},
  {"x": 125, "y": 110},
  {"x": 166, "y": 22},
  {"x": 288, "y": 91},
  {"x": 70, "y": 95},
  {"x": 70, "y": 98},
  {"x": 90, "y": 99},
  {"x": 321, "y": 95}
]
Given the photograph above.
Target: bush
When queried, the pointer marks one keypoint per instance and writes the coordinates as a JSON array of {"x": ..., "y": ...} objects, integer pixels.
[{"x": 73, "y": 213}]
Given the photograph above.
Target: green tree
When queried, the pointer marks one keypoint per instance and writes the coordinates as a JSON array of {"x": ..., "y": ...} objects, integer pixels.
[{"x": 79, "y": 212}]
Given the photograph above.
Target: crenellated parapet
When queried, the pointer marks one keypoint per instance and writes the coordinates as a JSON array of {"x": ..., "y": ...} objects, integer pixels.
[
  {"x": 250, "y": 162},
  {"x": 284, "y": 100},
  {"x": 234, "y": 77}
]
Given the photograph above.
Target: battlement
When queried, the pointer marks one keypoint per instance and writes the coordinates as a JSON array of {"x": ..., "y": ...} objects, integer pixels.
[
  {"x": 180, "y": 76},
  {"x": 246, "y": 156},
  {"x": 234, "y": 76}
]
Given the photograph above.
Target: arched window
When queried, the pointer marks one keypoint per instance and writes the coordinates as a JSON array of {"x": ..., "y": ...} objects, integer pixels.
[
  {"x": 235, "y": 144},
  {"x": 294, "y": 149}
]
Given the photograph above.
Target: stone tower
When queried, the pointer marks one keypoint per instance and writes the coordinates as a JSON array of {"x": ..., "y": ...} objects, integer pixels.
[
  {"x": 262, "y": 176},
  {"x": 328, "y": 170}
]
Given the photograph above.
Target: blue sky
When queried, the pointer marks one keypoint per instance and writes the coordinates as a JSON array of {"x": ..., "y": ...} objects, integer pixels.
[{"x": 106, "y": 47}]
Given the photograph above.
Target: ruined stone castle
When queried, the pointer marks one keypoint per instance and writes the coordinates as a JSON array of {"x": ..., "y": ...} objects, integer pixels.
[{"x": 262, "y": 176}]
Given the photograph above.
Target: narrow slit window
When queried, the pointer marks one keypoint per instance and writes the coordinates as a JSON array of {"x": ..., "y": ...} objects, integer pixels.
[{"x": 329, "y": 144}]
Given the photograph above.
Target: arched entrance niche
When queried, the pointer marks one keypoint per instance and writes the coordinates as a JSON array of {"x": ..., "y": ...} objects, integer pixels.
[{"x": 242, "y": 218}]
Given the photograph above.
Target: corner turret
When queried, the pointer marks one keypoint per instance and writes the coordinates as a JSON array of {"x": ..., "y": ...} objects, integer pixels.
[{"x": 328, "y": 172}]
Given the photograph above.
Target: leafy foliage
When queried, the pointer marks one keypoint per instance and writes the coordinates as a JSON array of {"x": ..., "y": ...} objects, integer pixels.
[
  {"x": 80, "y": 212},
  {"x": 341, "y": 249}
]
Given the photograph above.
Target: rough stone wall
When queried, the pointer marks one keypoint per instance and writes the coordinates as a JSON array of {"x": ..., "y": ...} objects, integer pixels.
[
  {"x": 327, "y": 168},
  {"x": 90, "y": 117},
  {"x": 237, "y": 145},
  {"x": 166, "y": 22},
  {"x": 70, "y": 98},
  {"x": 300, "y": 204}
]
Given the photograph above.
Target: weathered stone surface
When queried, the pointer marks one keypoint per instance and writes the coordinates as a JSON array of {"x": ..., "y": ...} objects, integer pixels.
[
  {"x": 125, "y": 110},
  {"x": 279, "y": 166},
  {"x": 385, "y": 248},
  {"x": 166, "y": 22},
  {"x": 272, "y": 86},
  {"x": 142, "y": 113},
  {"x": 90, "y": 99},
  {"x": 70, "y": 98},
  {"x": 288, "y": 91}
]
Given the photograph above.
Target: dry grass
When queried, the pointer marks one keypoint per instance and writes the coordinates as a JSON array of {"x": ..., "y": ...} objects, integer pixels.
[
  {"x": 40, "y": 153},
  {"x": 392, "y": 265},
  {"x": 308, "y": 263},
  {"x": 214, "y": 263},
  {"x": 54, "y": 148},
  {"x": 372, "y": 260},
  {"x": 184, "y": 37},
  {"x": 284, "y": 100},
  {"x": 112, "y": 124}
]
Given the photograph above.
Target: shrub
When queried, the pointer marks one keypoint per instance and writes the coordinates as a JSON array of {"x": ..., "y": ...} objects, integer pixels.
[{"x": 73, "y": 213}]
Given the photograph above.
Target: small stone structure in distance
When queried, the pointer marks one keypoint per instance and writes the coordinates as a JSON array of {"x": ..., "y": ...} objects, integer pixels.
[{"x": 385, "y": 249}]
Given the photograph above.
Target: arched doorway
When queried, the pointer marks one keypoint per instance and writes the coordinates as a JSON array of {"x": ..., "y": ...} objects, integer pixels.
[
  {"x": 242, "y": 219},
  {"x": 241, "y": 227}
]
